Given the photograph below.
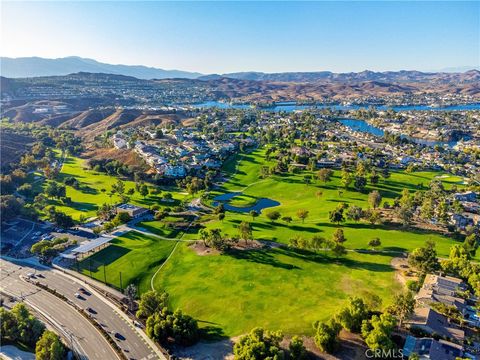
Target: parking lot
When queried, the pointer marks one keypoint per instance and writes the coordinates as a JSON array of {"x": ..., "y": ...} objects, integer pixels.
[{"x": 19, "y": 235}]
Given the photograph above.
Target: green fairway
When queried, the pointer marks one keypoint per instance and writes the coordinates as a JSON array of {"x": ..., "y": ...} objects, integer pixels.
[
  {"x": 159, "y": 228},
  {"x": 277, "y": 288},
  {"x": 94, "y": 189},
  {"x": 293, "y": 194},
  {"x": 135, "y": 255}
]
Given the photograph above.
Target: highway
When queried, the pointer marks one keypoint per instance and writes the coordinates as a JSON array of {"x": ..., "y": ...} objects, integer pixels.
[
  {"x": 87, "y": 340},
  {"x": 133, "y": 344}
]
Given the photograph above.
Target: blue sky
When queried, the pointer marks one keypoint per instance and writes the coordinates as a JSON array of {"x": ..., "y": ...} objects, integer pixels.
[{"x": 218, "y": 37}]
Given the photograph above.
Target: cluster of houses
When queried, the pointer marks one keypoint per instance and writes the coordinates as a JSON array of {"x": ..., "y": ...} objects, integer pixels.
[
  {"x": 439, "y": 337},
  {"x": 470, "y": 202},
  {"x": 180, "y": 152}
]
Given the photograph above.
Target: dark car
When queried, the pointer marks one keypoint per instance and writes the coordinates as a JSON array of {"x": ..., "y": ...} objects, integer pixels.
[
  {"x": 119, "y": 336},
  {"x": 91, "y": 311}
]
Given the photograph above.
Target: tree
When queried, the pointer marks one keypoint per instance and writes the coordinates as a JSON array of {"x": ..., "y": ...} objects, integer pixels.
[
  {"x": 144, "y": 190},
  {"x": 353, "y": 314},
  {"x": 347, "y": 178},
  {"x": 374, "y": 177},
  {"x": 259, "y": 344},
  {"x": 402, "y": 307},
  {"x": 273, "y": 215},
  {"x": 374, "y": 199},
  {"x": 221, "y": 216},
  {"x": 253, "y": 214},
  {"x": 49, "y": 347},
  {"x": 122, "y": 218},
  {"x": 404, "y": 214},
  {"x": 150, "y": 303},
  {"x": 131, "y": 293},
  {"x": 324, "y": 175},
  {"x": 119, "y": 187},
  {"x": 470, "y": 244},
  {"x": 373, "y": 216},
  {"x": 28, "y": 329},
  {"x": 10, "y": 206},
  {"x": 297, "y": 349},
  {"x": 336, "y": 215},
  {"x": 245, "y": 230},
  {"x": 354, "y": 213},
  {"x": 374, "y": 243},
  {"x": 164, "y": 324},
  {"x": 377, "y": 331},
  {"x": 424, "y": 259},
  {"x": 326, "y": 335},
  {"x": 427, "y": 209},
  {"x": 360, "y": 182},
  {"x": 338, "y": 249},
  {"x": 287, "y": 219},
  {"x": 339, "y": 236},
  {"x": 302, "y": 214}
]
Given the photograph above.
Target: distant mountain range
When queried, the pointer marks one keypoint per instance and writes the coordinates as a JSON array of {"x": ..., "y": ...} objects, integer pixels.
[
  {"x": 402, "y": 76},
  {"x": 36, "y": 66}
]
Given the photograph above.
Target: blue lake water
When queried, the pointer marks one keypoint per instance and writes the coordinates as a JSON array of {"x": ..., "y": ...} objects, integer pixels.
[
  {"x": 292, "y": 106},
  {"x": 363, "y": 126},
  {"x": 261, "y": 204}
]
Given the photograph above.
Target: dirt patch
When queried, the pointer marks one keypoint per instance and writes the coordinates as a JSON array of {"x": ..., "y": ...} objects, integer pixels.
[
  {"x": 202, "y": 250},
  {"x": 351, "y": 347},
  {"x": 207, "y": 351},
  {"x": 403, "y": 273}
]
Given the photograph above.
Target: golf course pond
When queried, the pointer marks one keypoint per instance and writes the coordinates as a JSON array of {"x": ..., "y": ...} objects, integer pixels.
[{"x": 260, "y": 204}]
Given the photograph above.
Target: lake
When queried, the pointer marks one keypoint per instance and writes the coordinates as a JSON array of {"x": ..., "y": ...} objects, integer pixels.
[
  {"x": 363, "y": 126},
  {"x": 292, "y": 106}
]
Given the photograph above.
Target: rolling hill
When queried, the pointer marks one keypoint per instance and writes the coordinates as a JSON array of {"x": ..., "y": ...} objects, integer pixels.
[{"x": 36, "y": 66}]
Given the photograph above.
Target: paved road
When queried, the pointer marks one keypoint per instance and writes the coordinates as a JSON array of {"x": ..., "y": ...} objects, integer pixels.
[
  {"x": 132, "y": 342},
  {"x": 89, "y": 342}
]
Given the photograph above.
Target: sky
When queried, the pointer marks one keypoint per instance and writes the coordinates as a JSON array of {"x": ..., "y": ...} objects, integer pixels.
[{"x": 220, "y": 37}]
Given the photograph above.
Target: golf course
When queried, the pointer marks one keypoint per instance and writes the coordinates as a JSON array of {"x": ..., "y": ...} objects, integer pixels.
[{"x": 267, "y": 285}]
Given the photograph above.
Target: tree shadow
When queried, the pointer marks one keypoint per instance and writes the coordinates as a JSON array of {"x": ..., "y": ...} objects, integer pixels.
[
  {"x": 261, "y": 257},
  {"x": 211, "y": 332}
]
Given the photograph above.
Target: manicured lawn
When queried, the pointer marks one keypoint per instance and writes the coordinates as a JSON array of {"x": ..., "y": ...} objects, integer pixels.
[
  {"x": 159, "y": 228},
  {"x": 293, "y": 194},
  {"x": 277, "y": 288},
  {"x": 135, "y": 255},
  {"x": 94, "y": 190}
]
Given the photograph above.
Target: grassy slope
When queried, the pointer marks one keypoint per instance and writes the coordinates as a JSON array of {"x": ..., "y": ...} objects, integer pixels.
[
  {"x": 159, "y": 228},
  {"x": 294, "y": 194},
  {"x": 281, "y": 289},
  {"x": 89, "y": 196},
  {"x": 136, "y": 255},
  {"x": 277, "y": 289}
]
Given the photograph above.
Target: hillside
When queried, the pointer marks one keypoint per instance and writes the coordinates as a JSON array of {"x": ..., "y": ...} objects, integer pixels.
[{"x": 36, "y": 66}]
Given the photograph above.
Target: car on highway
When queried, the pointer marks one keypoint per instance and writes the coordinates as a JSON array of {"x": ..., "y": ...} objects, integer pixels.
[
  {"x": 84, "y": 291},
  {"x": 119, "y": 336},
  {"x": 30, "y": 275},
  {"x": 91, "y": 310},
  {"x": 78, "y": 296}
]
